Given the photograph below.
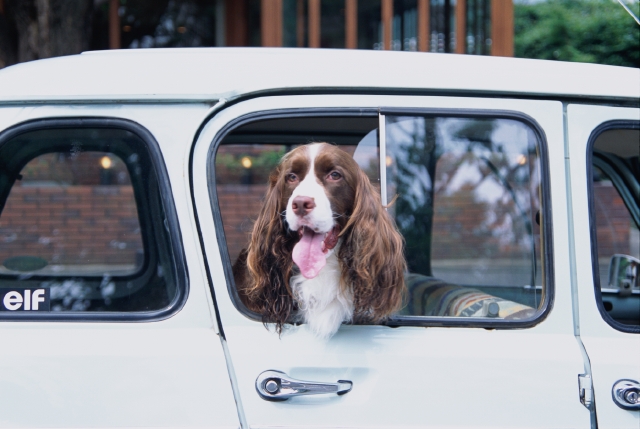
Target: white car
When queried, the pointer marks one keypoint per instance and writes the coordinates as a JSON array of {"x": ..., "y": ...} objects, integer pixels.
[{"x": 129, "y": 181}]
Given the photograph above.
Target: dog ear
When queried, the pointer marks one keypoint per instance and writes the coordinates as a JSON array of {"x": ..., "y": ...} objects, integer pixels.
[
  {"x": 373, "y": 256},
  {"x": 269, "y": 263}
]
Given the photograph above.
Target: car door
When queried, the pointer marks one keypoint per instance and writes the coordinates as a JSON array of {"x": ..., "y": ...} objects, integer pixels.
[
  {"x": 492, "y": 229},
  {"x": 604, "y": 153},
  {"x": 105, "y": 315}
]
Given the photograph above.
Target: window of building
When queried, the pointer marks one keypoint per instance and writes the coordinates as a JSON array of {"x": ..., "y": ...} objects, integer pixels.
[
  {"x": 466, "y": 193},
  {"x": 83, "y": 224},
  {"x": 615, "y": 200}
]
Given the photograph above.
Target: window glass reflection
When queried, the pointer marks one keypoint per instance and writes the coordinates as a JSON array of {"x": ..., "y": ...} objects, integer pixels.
[{"x": 467, "y": 199}]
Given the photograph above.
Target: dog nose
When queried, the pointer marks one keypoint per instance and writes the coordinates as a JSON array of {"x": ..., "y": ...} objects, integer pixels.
[{"x": 302, "y": 205}]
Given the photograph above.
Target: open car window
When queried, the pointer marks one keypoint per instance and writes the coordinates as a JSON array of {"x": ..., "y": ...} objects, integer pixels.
[
  {"x": 84, "y": 225},
  {"x": 466, "y": 193}
]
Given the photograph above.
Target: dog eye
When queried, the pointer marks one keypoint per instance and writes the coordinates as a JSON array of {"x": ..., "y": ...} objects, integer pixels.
[
  {"x": 291, "y": 178},
  {"x": 334, "y": 175}
]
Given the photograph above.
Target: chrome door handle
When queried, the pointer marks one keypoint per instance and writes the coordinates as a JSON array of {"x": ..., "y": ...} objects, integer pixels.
[
  {"x": 275, "y": 385},
  {"x": 626, "y": 394}
]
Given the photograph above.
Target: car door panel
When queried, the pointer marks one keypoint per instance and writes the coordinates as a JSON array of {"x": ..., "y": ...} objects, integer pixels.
[
  {"x": 612, "y": 353},
  {"x": 408, "y": 376}
]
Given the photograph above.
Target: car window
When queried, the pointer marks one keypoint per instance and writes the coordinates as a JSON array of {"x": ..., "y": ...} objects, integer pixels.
[
  {"x": 82, "y": 224},
  {"x": 467, "y": 199},
  {"x": 74, "y": 214},
  {"x": 615, "y": 198},
  {"x": 465, "y": 192}
]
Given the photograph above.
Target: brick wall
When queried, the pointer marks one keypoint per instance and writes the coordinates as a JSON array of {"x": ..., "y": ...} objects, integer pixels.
[
  {"x": 612, "y": 220},
  {"x": 99, "y": 224},
  {"x": 464, "y": 228},
  {"x": 239, "y": 207},
  {"x": 457, "y": 218},
  {"x": 71, "y": 225}
]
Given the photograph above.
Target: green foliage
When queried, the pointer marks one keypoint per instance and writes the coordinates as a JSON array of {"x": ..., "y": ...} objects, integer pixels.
[
  {"x": 266, "y": 160},
  {"x": 591, "y": 31},
  {"x": 229, "y": 168}
]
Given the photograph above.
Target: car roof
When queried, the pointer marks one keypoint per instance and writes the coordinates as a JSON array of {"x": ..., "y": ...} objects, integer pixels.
[{"x": 210, "y": 74}]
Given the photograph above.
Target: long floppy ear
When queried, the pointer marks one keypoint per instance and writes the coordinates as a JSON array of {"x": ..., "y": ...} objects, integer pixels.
[
  {"x": 372, "y": 255},
  {"x": 268, "y": 260}
]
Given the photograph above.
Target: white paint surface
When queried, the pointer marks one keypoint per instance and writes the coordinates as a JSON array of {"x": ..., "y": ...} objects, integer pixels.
[{"x": 211, "y": 74}]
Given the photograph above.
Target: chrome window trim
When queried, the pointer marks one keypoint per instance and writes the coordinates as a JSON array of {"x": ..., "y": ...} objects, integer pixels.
[{"x": 382, "y": 141}]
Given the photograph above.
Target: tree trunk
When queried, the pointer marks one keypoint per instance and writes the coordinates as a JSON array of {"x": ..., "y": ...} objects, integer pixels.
[
  {"x": 8, "y": 40},
  {"x": 44, "y": 28}
]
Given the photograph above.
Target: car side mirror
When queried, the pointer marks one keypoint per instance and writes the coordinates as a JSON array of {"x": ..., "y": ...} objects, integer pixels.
[{"x": 623, "y": 274}]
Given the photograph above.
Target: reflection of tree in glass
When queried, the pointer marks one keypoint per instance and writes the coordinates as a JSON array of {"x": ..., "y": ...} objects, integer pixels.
[
  {"x": 69, "y": 295},
  {"x": 476, "y": 132},
  {"x": 480, "y": 190},
  {"x": 412, "y": 143},
  {"x": 497, "y": 195}
]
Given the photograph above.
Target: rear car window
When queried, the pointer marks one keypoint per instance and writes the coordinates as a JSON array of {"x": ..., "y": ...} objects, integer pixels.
[
  {"x": 466, "y": 193},
  {"x": 75, "y": 214},
  {"x": 83, "y": 225}
]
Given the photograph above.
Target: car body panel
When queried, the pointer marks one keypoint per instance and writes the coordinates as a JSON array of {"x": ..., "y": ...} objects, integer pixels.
[
  {"x": 207, "y": 75},
  {"x": 189, "y": 371},
  {"x": 612, "y": 353},
  {"x": 166, "y": 373}
]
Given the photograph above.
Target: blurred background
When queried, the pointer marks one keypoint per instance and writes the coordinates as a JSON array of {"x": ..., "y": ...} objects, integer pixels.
[{"x": 597, "y": 31}]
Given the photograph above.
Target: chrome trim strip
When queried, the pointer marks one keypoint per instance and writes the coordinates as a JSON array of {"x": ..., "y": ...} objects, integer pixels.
[{"x": 382, "y": 139}]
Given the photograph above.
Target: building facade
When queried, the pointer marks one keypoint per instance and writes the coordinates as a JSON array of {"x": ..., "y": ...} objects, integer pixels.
[{"x": 481, "y": 27}]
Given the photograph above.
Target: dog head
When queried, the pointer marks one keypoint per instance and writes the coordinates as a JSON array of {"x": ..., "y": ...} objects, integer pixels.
[
  {"x": 320, "y": 185},
  {"x": 320, "y": 202}
]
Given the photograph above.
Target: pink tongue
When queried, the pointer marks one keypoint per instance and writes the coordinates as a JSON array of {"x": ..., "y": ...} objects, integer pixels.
[{"x": 308, "y": 254}]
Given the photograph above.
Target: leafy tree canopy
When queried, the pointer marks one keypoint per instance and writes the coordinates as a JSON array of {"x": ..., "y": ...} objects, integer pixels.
[{"x": 590, "y": 31}]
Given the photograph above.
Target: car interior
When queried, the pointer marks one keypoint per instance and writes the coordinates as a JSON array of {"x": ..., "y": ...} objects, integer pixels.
[{"x": 616, "y": 214}]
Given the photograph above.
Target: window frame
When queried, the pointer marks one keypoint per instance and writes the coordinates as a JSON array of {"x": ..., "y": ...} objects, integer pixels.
[
  {"x": 546, "y": 229},
  {"x": 624, "y": 194},
  {"x": 174, "y": 235}
]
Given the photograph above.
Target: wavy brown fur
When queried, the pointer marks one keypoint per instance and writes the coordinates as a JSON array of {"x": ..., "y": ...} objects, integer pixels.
[
  {"x": 371, "y": 254},
  {"x": 265, "y": 286},
  {"x": 372, "y": 257}
]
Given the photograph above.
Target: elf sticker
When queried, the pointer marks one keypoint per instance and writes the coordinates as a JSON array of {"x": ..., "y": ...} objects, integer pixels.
[{"x": 25, "y": 300}]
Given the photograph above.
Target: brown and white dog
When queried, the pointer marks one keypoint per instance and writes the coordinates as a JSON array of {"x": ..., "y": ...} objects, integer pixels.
[{"x": 323, "y": 250}]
